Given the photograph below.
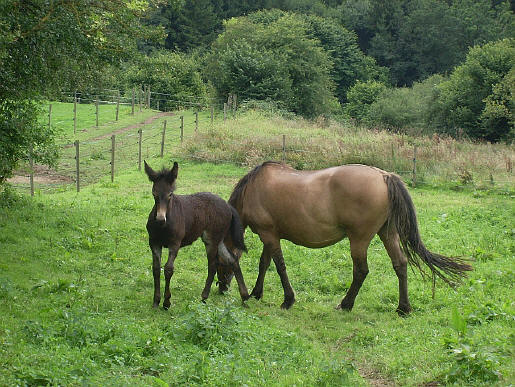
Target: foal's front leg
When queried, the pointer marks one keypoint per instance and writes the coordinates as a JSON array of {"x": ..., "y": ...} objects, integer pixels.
[
  {"x": 169, "y": 269},
  {"x": 156, "y": 271}
]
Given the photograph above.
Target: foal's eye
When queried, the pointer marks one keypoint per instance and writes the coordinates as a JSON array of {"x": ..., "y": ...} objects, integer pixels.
[{"x": 170, "y": 195}]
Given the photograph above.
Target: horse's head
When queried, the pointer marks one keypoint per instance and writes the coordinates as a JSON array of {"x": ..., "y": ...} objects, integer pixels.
[{"x": 163, "y": 185}]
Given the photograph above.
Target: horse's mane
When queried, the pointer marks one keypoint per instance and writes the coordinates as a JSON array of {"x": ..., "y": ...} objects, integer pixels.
[{"x": 239, "y": 189}]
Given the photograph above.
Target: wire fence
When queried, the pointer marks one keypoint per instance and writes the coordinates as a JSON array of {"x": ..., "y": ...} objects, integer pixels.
[{"x": 103, "y": 151}]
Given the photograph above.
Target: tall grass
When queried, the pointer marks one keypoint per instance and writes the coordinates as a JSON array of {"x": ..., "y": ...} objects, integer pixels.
[{"x": 254, "y": 137}]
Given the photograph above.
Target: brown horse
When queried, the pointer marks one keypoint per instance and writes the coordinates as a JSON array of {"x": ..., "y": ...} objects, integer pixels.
[
  {"x": 319, "y": 208},
  {"x": 179, "y": 220}
]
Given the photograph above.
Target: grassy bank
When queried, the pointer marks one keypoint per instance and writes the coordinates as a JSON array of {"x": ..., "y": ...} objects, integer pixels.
[
  {"x": 253, "y": 137},
  {"x": 76, "y": 294}
]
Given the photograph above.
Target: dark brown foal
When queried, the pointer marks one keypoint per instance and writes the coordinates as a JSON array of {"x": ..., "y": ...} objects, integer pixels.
[{"x": 179, "y": 220}]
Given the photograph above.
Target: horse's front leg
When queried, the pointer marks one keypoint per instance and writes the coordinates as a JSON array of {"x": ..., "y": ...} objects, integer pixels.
[
  {"x": 169, "y": 269},
  {"x": 156, "y": 271}
]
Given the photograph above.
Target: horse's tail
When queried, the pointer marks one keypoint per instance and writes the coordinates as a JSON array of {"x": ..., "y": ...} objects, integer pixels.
[
  {"x": 402, "y": 215},
  {"x": 237, "y": 231}
]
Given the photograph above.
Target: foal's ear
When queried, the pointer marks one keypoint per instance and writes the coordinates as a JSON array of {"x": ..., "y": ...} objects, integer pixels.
[
  {"x": 152, "y": 175},
  {"x": 172, "y": 175}
]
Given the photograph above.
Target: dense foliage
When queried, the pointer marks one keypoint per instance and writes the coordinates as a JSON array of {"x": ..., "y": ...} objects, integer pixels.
[
  {"x": 275, "y": 59},
  {"x": 48, "y": 45}
]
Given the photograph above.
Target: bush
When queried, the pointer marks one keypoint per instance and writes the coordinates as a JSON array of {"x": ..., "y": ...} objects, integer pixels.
[
  {"x": 478, "y": 97},
  {"x": 175, "y": 76},
  {"x": 276, "y": 61},
  {"x": 360, "y": 97},
  {"x": 405, "y": 109}
]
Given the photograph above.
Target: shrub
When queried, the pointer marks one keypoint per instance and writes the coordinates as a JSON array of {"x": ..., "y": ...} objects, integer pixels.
[
  {"x": 361, "y": 96},
  {"x": 478, "y": 97},
  {"x": 175, "y": 75}
]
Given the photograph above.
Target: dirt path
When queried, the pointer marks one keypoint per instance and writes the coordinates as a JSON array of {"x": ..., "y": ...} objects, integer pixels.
[{"x": 46, "y": 175}]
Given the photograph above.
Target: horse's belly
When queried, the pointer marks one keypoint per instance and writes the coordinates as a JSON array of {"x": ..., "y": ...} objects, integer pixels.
[{"x": 313, "y": 237}]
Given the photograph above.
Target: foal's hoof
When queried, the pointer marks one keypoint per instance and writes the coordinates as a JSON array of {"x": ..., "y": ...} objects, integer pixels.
[
  {"x": 245, "y": 297},
  {"x": 203, "y": 300},
  {"x": 287, "y": 303},
  {"x": 256, "y": 294}
]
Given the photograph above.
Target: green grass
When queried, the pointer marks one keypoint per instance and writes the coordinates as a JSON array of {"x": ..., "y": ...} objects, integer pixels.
[{"x": 76, "y": 296}]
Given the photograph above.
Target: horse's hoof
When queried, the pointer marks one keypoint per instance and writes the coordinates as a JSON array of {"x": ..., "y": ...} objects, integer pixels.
[
  {"x": 256, "y": 295},
  {"x": 403, "y": 311},
  {"x": 245, "y": 297},
  {"x": 155, "y": 305},
  {"x": 203, "y": 300},
  {"x": 287, "y": 304},
  {"x": 165, "y": 307},
  {"x": 343, "y": 306}
]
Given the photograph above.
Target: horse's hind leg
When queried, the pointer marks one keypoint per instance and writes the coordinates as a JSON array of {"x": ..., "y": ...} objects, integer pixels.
[
  {"x": 358, "y": 250},
  {"x": 212, "y": 251},
  {"x": 264, "y": 263},
  {"x": 229, "y": 259},
  {"x": 390, "y": 239}
]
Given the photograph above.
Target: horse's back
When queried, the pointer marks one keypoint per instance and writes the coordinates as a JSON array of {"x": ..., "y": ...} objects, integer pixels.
[{"x": 317, "y": 208}]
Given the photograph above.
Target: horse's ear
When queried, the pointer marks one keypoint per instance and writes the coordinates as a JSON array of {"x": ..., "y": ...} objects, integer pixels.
[
  {"x": 172, "y": 175},
  {"x": 152, "y": 175}
]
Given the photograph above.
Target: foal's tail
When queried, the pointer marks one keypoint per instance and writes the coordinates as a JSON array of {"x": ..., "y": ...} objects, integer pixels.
[
  {"x": 237, "y": 231},
  {"x": 403, "y": 216}
]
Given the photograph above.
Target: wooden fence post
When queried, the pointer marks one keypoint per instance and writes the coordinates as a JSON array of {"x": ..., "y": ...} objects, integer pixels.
[
  {"x": 31, "y": 164},
  {"x": 133, "y": 98},
  {"x": 196, "y": 121},
  {"x": 75, "y": 114},
  {"x": 77, "y": 164},
  {"x": 284, "y": 148},
  {"x": 225, "y": 110},
  {"x": 148, "y": 97},
  {"x": 182, "y": 128},
  {"x": 212, "y": 115},
  {"x": 414, "y": 182},
  {"x": 96, "y": 107},
  {"x": 113, "y": 144},
  {"x": 163, "y": 139},
  {"x": 117, "y": 105},
  {"x": 140, "y": 136},
  {"x": 140, "y": 97},
  {"x": 49, "y": 116}
]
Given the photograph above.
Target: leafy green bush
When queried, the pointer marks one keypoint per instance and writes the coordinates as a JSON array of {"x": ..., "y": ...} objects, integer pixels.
[
  {"x": 478, "y": 97},
  {"x": 276, "y": 61},
  {"x": 175, "y": 76},
  {"x": 360, "y": 97},
  {"x": 405, "y": 109}
]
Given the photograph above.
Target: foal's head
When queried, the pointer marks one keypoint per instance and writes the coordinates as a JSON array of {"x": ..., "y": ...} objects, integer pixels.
[{"x": 162, "y": 188}]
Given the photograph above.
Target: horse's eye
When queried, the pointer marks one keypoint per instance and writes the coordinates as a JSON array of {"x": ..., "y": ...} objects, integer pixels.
[{"x": 170, "y": 195}]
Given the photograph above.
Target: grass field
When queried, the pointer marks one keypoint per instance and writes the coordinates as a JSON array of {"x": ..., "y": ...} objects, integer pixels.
[
  {"x": 76, "y": 295},
  {"x": 76, "y": 280}
]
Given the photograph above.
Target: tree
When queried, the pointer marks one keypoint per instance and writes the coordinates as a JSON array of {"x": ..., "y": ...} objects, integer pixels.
[
  {"x": 478, "y": 97},
  {"x": 45, "y": 45},
  {"x": 276, "y": 61},
  {"x": 360, "y": 97}
]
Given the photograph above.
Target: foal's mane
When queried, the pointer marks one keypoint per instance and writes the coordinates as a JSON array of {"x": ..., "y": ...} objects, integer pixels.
[{"x": 239, "y": 189}]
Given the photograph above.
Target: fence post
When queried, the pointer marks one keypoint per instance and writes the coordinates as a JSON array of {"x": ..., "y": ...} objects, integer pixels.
[
  {"x": 182, "y": 128},
  {"x": 49, "y": 116},
  {"x": 96, "y": 106},
  {"x": 148, "y": 97},
  {"x": 212, "y": 115},
  {"x": 117, "y": 105},
  {"x": 75, "y": 113},
  {"x": 163, "y": 139},
  {"x": 31, "y": 164},
  {"x": 225, "y": 110},
  {"x": 284, "y": 148},
  {"x": 140, "y": 135},
  {"x": 140, "y": 97},
  {"x": 414, "y": 182},
  {"x": 196, "y": 121},
  {"x": 113, "y": 144},
  {"x": 133, "y": 98},
  {"x": 77, "y": 164}
]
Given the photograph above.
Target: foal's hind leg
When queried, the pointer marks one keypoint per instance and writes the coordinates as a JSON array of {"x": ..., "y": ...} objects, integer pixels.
[
  {"x": 211, "y": 250},
  {"x": 358, "y": 250},
  {"x": 390, "y": 239}
]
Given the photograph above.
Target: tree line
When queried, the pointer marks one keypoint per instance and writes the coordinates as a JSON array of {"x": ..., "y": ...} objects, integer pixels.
[{"x": 412, "y": 65}]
